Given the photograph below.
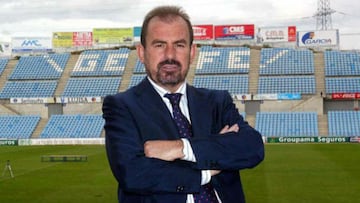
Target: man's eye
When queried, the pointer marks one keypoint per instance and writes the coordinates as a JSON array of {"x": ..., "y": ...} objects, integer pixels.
[
  {"x": 180, "y": 45},
  {"x": 159, "y": 45}
]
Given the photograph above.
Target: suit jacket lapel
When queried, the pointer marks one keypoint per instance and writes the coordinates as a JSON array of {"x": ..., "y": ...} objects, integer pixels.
[
  {"x": 200, "y": 112},
  {"x": 153, "y": 105}
]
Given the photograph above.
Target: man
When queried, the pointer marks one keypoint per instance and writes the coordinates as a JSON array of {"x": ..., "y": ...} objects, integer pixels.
[{"x": 154, "y": 153}]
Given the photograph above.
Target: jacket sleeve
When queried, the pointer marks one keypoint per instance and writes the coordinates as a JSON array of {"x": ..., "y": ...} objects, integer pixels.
[
  {"x": 229, "y": 151},
  {"x": 133, "y": 171}
]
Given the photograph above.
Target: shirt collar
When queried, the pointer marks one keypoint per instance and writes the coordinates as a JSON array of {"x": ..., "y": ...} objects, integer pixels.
[{"x": 162, "y": 91}]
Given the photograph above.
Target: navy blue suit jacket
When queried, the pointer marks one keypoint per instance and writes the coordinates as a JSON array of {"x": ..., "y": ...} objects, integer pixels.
[{"x": 139, "y": 114}]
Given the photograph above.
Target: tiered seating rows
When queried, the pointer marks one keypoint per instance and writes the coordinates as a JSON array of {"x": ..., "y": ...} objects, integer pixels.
[
  {"x": 73, "y": 126},
  {"x": 344, "y": 123},
  {"x": 341, "y": 63},
  {"x": 223, "y": 60},
  {"x": 283, "y": 61},
  {"x": 3, "y": 63},
  {"x": 287, "y": 123},
  {"x": 287, "y": 84},
  {"x": 38, "y": 88},
  {"x": 18, "y": 127},
  {"x": 101, "y": 63},
  {"x": 235, "y": 84},
  {"x": 40, "y": 67},
  {"x": 91, "y": 87},
  {"x": 342, "y": 84}
]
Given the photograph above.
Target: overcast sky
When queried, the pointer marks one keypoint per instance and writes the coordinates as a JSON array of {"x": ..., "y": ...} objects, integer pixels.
[{"x": 42, "y": 17}]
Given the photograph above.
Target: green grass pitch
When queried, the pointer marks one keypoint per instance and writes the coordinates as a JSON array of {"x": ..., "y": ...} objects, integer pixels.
[{"x": 290, "y": 173}]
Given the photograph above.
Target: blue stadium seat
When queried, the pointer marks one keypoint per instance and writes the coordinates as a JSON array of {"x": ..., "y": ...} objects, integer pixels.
[
  {"x": 287, "y": 84},
  {"x": 91, "y": 87},
  {"x": 289, "y": 124},
  {"x": 45, "y": 67},
  {"x": 22, "y": 89},
  {"x": 135, "y": 79},
  {"x": 101, "y": 63},
  {"x": 3, "y": 63},
  {"x": 344, "y": 123},
  {"x": 18, "y": 127},
  {"x": 139, "y": 67},
  {"x": 285, "y": 61},
  {"x": 342, "y": 63},
  {"x": 342, "y": 84},
  {"x": 73, "y": 126},
  {"x": 214, "y": 60},
  {"x": 235, "y": 84}
]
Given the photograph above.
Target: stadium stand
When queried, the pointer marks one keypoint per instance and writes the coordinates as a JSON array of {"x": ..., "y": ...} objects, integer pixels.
[
  {"x": 215, "y": 60},
  {"x": 97, "y": 73},
  {"x": 235, "y": 84},
  {"x": 101, "y": 62},
  {"x": 344, "y": 123},
  {"x": 17, "y": 127},
  {"x": 40, "y": 67},
  {"x": 284, "y": 61},
  {"x": 3, "y": 63},
  {"x": 91, "y": 87},
  {"x": 20, "y": 89},
  {"x": 287, "y": 84},
  {"x": 73, "y": 126},
  {"x": 341, "y": 63},
  {"x": 287, "y": 123}
]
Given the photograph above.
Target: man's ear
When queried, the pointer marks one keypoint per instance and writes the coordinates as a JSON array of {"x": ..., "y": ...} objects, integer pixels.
[{"x": 140, "y": 52}]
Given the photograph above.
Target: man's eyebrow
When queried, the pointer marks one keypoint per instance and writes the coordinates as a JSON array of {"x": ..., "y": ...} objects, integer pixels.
[{"x": 155, "y": 41}]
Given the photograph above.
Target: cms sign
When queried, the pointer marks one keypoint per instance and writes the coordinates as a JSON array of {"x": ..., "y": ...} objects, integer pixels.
[{"x": 34, "y": 42}]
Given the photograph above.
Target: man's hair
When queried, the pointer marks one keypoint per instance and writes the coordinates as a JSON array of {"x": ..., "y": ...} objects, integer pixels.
[{"x": 167, "y": 13}]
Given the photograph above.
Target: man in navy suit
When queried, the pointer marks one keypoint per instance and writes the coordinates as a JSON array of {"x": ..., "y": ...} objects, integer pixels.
[{"x": 149, "y": 159}]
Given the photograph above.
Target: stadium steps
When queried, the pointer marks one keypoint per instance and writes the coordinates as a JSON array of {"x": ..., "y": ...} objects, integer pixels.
[
  {"x": 128, "y": 71},
  {"x": 66, "y": 74},
  {"x": 250, "y": 119},
  {"x": 39, "y": 128},
  {"x": 319, "y": 64},
  {"x": 7, "y": 71},
  {"x": 4, "y": 108},
  {"x": 254, "y": 71},
  {"x": 191, "y": 74},
  {"x": 323, "y": 125}
]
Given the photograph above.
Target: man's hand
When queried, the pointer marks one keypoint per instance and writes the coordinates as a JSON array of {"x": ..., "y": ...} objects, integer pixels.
[
  {"x": 226, "y": 129},
  {"x": 167, "y": 150}
]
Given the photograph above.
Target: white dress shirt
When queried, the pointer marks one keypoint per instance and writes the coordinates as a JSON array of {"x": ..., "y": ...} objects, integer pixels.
[{"x": 187, "y": 150}]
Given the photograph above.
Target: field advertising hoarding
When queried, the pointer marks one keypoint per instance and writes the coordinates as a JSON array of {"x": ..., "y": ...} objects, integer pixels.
[
  {"x": 112, "y": 35},
  {"x": 203, "y": 32},
  {"x": 234, "y": 32},
  {"x": 276, "y": 34},
  {"x": 318, "y": 38},
  {"x": 31, "y": 44}
]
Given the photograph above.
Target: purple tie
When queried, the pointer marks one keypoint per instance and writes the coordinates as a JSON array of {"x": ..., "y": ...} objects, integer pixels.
[{"x": 207, "y": 194}]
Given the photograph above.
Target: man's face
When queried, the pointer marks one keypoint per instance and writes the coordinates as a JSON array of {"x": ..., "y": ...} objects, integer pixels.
[{"x": 168, "y": 52}]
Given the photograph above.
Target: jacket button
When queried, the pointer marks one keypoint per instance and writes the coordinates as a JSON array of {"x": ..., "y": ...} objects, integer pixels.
[{"x": 179, "y": 188}]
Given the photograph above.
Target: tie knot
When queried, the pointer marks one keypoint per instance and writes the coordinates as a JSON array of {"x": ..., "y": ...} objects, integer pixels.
[{"x": 174, "y": 98}]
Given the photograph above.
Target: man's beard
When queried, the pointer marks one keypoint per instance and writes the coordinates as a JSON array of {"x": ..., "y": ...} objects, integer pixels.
[{"x": 169, "y": 78}]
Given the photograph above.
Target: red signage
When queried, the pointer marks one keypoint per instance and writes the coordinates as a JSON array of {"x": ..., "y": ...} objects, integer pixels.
[
  {"x": 82, "y": 39},
  {"x": 292, "y": 33},
  {"x": 203, "y": 32},
  {"x": 345, "y": 95},
  {"x": 234, "y": 32}
]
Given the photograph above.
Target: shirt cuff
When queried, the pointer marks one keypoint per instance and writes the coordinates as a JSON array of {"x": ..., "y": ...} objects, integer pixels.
[
  {"x": 187, "y": 151},
  {"x": 205, "y": 177}
]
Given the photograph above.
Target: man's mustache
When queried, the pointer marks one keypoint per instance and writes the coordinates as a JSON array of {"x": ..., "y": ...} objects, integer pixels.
[{"x": 169, "y": 62}]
